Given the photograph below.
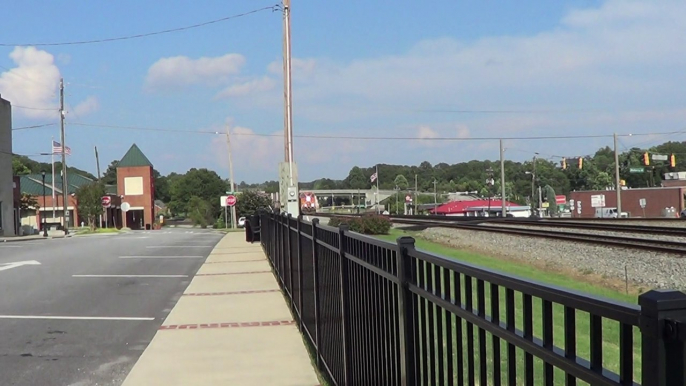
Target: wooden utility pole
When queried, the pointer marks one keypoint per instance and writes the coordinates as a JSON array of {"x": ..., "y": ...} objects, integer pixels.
[
  {"x": 233, "y": 185},
  {"x": 65, "y": 184},
  {"x": 97, "y": 162},
  {"x": 502, "y": 179},
  {"x": 617, "y": 185}
]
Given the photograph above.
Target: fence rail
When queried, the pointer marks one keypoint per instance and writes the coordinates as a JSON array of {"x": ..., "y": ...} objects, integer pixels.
[{"x": 378, "y": 313}]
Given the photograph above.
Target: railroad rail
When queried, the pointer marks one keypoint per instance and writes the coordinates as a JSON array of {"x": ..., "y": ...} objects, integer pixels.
[{"x": 663, "y": 246}]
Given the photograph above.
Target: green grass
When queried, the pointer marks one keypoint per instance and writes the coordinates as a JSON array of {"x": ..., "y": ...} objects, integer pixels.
[
  {"x": 610, "y": 328},
  {"x": 85, "y": 231}
]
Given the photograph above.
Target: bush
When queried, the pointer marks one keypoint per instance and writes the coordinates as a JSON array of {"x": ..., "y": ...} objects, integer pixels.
[{"x": 366, "y": 224}]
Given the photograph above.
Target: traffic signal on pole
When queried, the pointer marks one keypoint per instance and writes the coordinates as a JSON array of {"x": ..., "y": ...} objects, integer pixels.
[
  {"x": 581, "y": 162},
  {"x": 564, "y": 163},
  {"x": 672, "y": 160},
  {"x": 646, "y": 159}
]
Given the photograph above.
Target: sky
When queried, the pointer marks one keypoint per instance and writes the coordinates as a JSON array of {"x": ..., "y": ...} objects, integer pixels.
[{"x": 435, "y": 81}]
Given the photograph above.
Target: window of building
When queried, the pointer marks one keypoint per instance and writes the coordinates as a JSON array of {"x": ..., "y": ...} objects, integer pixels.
[{"x": 133, "y": 186}]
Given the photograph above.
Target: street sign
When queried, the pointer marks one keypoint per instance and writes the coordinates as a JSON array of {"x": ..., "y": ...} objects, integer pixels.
[
  {"x": 642, "y": 202},
  {"x": 560, "y": 199},
  {"x": 106, "y": 201},
  {"x": 598, "y": 200},
  {"x": 125, "y": 206},
  {"x": 659, "y": 157},
  {"x": 408, "y": 198},
  {"x": 637, "y": 170},
  {"x": 230, "y": 200}
]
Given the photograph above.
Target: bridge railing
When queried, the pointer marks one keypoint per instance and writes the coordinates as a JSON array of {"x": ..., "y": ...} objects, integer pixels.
[{"x": 379, "y": 313}]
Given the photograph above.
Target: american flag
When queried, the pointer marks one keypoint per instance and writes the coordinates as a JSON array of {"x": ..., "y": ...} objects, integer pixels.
[
  {"x": 57, "y": 148},
  {"x": 373, "y": 177}
]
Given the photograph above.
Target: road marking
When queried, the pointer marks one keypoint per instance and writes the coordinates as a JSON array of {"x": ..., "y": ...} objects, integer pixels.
[
  {"x": 70, "y": 317},
  {"x": 181, "y": 246},
  {"x": 161, "y": 257},
  {"x": 129, "y": 275},
  {"x": 16, "y": 264},
  {"x": 10, "y": 246}
]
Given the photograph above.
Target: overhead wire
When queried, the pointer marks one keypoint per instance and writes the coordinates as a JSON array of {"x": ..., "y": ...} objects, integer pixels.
[
  {"x": 33, "y": 127},
  {"x": 142, "y": 35}
]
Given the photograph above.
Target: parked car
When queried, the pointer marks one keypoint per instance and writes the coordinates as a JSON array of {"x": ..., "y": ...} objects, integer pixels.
[{"x": 241, "y": 222}]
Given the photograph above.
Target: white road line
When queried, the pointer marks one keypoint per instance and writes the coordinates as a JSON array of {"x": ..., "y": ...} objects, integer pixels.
[
  {"x": 129, "y": 275},
  {"x": 70, "y": 317},
  {"x": 161, "y": 257},
  {"x": 181, "y": 246},
  {"x": 10, "y": 246}
]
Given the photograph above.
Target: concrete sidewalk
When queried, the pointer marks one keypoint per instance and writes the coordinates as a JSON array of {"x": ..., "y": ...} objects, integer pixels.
[{"x": 230, "y": 327}]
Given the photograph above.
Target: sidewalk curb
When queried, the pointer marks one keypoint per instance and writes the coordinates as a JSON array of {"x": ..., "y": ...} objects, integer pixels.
[{"x": 22, "y": 238}]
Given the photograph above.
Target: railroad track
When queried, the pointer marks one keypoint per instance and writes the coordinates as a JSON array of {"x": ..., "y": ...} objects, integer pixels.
[
  {"x": 614, "y": 227},
  {"x": 664, "y": 246}
]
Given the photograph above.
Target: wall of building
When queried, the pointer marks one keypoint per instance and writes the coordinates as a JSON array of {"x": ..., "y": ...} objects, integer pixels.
[
  {"x": 135, "y": 185},
  {"x": 657, "y": 199},
  {"x": 7, "y": 217}
]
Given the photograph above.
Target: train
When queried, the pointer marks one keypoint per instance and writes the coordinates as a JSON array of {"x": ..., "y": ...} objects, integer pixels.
[{"x": 308, "y": 203}]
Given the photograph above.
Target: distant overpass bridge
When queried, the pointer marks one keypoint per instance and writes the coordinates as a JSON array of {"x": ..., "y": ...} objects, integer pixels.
[{"x": 369, "y": 194}]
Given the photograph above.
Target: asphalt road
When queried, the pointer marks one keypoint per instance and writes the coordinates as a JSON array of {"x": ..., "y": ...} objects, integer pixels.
[{"x": 98, "y": 324}]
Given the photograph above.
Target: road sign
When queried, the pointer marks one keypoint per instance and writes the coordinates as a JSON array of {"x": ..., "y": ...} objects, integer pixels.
[
  {"x": 642, "y": 202},
  {"x": 598, "y": 200},
  {"x": 408, "y": 198},
  {"x": 659, "y": 157},
  {"x": 230, "y": 200},
  {"x": 106, "y": 201},
  {"x": 637, "y": 170},
  {"x": 125, "y": 206},
  {"x": 560, "y": 199}
]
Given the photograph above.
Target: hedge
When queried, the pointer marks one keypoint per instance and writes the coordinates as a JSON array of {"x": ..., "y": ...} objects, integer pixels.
[{"x": 367, "y": 224}]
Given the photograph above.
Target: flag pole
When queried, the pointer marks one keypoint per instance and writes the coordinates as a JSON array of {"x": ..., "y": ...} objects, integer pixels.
[
  {"x": 377, "y": 189},
  {"x": 52, "y": 158}
]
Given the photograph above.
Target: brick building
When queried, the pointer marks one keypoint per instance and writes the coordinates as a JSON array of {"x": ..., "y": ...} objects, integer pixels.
[{"x": 135, "y": 187}]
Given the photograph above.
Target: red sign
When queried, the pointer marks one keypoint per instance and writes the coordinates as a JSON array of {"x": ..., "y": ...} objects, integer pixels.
[
  {"x": 408, "y": 198},
  {"x": 560, "y": 200},
  {"x": 230, "y": 200},
  {"x": 106, "y": 201}
]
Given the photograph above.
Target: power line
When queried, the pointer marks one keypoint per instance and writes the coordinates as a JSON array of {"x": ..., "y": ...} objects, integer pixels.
[
  {"x": 33, "y": 127},
  {"x": 273, "y": 7},
  {"x": 36, "y": 108}
]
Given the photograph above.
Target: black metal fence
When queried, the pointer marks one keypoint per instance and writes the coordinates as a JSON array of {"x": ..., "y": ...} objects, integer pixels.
[{"x": 378, "y": 313}]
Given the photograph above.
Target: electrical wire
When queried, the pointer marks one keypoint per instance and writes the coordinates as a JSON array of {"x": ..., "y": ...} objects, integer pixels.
[
  {"x": 36, "y": 108},
  {"x": 137, "y": 36},
  {"x": 33, "y": 127}
]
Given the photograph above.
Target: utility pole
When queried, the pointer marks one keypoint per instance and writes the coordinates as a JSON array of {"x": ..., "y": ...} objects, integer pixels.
[
  {"x": 617, "y": 186},
  {"x": 287, "y": 85},
  {"x": 435, "y": 197},
  {"x": 97, "y": 162},
  {"x": 233, "y": 185},
  {"x": 502, "y": 178},
  {"x": 65, "y": 185},
  {"x": 414, "y": 209}
]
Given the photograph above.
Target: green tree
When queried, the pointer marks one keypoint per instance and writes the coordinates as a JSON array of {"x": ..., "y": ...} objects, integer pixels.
[
  {"x": 356, "y": 179},
  {"x": 401, "y": 182},
  {"x": 200, "y": 211},
  {"x": 201, "y": 183},
  {"x": 249, "y": 202},
  {"x": 110, "y": 175},
  {"x": 90, "y": 202},
  {"x": 18, "y": 168}
]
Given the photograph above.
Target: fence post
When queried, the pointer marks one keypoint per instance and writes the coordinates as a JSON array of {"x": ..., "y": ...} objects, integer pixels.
[
  {"x": 315, "y": 268},
  {"x": 287, "y": 256},
  {"x": 406, "y": 312},
  {"x": 663, "y": 330},
  {"x": 345, "y": 305},
  {"x": 300, "y": 272}
]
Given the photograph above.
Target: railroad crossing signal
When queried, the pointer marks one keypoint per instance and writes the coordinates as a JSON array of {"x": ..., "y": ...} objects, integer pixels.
[
  {"x": 672, "y": 160},
  {"x": 646, "y": 159}
]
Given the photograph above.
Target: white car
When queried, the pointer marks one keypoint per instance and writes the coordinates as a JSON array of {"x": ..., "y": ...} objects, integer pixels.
[{"x": 241, "y": 222}]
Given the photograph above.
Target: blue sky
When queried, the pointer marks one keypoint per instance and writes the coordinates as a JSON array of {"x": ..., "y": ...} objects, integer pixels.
[{"x": 360, "y": 68}]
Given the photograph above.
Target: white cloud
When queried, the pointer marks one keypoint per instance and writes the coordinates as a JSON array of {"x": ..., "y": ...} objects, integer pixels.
[
  {"x": 87, "y": 106},
  {"x": 247, "y": 88},
  {"x": 181, "y": 71},
  {"x": 32, "y": 83},
  {"x": 250, "y": 151}
]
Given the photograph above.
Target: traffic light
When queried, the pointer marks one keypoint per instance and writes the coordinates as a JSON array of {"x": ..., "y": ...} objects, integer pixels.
[
  {"x": 646, "y": 159},
  {"x": 581, "y": 162},
  {"x": 672, "y": 160},
  {"x": 564, "y": 163}
]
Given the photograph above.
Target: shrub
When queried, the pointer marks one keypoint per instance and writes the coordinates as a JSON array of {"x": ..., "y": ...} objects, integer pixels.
[{"x": 366, "y": 224}]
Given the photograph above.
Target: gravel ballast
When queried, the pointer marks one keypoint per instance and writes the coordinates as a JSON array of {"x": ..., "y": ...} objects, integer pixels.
[{"x": 643, "y": 268}]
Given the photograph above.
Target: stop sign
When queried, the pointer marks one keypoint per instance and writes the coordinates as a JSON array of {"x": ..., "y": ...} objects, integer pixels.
[
  {"x": 230, "y": 200},
  {"x": 106, "y": 201}
]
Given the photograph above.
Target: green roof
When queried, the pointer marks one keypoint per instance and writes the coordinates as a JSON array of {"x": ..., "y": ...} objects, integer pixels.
[
  {"x": 33, "y": 183},
  {"x": 134, "y": 157},
  {"x": 111, "y": 189}
]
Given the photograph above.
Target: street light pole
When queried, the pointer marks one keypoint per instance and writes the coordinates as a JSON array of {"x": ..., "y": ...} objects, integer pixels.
[{"x": 45, "y": 230}]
